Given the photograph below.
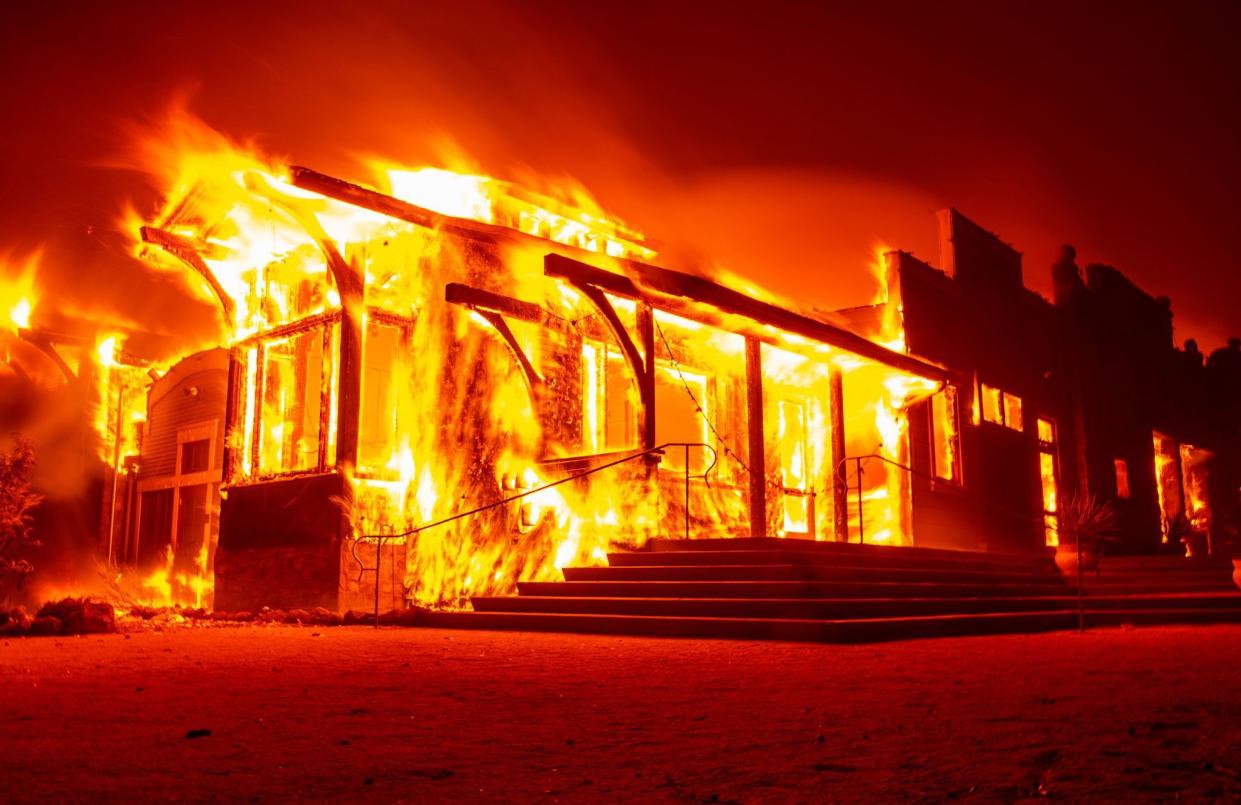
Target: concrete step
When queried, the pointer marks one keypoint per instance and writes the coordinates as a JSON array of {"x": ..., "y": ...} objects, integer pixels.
[
  {"x": 1163, "y": 564},
  {"x": 806, "y": 630},
  {"x": 789, "y": 556},
  {"x": 845, "y": 549},
  {"x": 1171, "y": 577},
  {"x": 1125, "y": 587},
  {"x": 836, "y": 608},
  {"x": 814, "y": 630},
  {"x": 815, "y": 571},
  {"x": 785, "y": 589}
]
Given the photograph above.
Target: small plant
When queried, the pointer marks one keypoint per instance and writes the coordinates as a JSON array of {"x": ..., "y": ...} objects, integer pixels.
[
  {"x": 1088, "y": 522},
  {"x": 17, "y": 501}
]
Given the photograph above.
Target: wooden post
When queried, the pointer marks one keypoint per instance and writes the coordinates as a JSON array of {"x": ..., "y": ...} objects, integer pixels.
[
  {"x": 840, "y": 491},
  {"x": 235, "y": 383},
  {"x": 349, "y": 387},
  {"x": 757, "y": 452},
  {"x": 646, "y": 379}
]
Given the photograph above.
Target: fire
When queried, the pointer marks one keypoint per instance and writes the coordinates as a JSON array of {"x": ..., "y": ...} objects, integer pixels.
[
  {"x": 18, "y": 294},
  {"x": 456, "y": 194},
  {"x": 19, "y": 314},
  {"x": 462, "y": 408},
  {"x": 891, "y": 328}
]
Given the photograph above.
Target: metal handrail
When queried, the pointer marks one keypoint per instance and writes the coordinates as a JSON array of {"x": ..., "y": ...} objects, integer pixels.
[
  {"x": 1039, "y": 521},
  {"x": 657, "y": 450},
  {"x": 1017, "y": 515}
]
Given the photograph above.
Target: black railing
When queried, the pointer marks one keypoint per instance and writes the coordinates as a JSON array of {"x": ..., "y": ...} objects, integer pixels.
[
  {"x": 936, "y": 482},
  {"x": 844, "y": 480},
  {"x": 1019, "y": 517},
  {"x": 658, "y": 450}
]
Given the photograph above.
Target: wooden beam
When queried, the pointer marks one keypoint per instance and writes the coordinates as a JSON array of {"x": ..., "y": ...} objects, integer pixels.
[
  {"x": 182, "y": 249},
  {"x": 676, "y": 284},
  {"x": 646, "y": 380},
  {"x": 654, "y": 278},
  {"x": 533, "y": 379},
  {"x": 836, "y": 455},
  {"x": 579, "y": 273},
  {"x": 476, "y": 298},
  {"x": 372, "y": 200},
  {"x": 757, "y": 452}
]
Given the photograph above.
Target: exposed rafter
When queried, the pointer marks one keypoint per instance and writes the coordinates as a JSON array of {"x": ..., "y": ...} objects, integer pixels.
[{"x": 182, "y": 249}]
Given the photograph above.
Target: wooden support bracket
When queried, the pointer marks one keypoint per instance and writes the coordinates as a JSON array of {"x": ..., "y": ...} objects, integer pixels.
[
  {"x": 533, "y": 379},
  {"x": 182, "y": 249}
]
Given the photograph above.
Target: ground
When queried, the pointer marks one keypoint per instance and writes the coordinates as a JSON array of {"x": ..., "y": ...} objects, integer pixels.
[{"x": 411, "y": 714}]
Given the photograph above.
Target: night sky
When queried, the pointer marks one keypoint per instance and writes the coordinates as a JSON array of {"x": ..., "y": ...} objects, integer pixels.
[{"x": 784, "y": 142}]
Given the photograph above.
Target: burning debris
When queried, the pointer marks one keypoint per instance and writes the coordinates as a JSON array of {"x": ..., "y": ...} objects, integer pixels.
[{"x": 69, "y": 616}]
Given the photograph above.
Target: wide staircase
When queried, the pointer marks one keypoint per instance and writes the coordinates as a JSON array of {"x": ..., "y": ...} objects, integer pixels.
[{"x": 789, "y": 589}]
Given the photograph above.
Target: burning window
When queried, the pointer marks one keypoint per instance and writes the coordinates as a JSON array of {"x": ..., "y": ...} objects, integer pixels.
[
  {"x": 945, "y": 436},
  {"x": 1012, "y": 412},
  {"x": 992, "y": 405},
  {"x": 794, "y": 448},
  {"x": 1049, "y": 480},
  {"x": 1194, "y": 476},
  {"x": 377, "y": 424},
  {"x": 290, "y": 390},
  {"x": 1167, "y": 481},
  {"x": 1122, "y": 478},
  {"x": 681, "y": 406},
  {"x": 1000, "y": 407},
  {"x": 292, "y": 376},
  {"x": 609, "y": 412}
]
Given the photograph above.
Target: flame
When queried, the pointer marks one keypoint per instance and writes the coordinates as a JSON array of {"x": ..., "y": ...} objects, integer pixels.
[
  {"x": 105, "y": 351},
  {"x": 454, "y": 409},
  {"x": 18, "y": 293}
]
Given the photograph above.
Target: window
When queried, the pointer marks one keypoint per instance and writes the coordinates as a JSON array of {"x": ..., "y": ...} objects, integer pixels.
[
  {"x": 992, "y": 407},
  {"x": 291, "y": 403},
  {"x": 945, "y": 436},
  {"x": 377, "y": 419},
  {"x": 1049, "y": 480},
  {"x": 680, "y": 414},
  {"x": 1167, "y": 481},
  {"x": 1122, "y": 478},
  {"x": 1012, "y": 412},
  {"x": 1194, "y": 477},
  {"x": 794, "y": 447},
  {"x": 290, "y": 395},
  {"x": 609, "y": 412},
  {"x": 1001, "y": 407},
  {"x": 195, "y": 456}
]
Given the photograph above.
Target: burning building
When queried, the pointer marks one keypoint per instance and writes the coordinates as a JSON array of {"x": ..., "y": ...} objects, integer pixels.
[
  {"x": 433, "y": 388},
  {"x": 435, "y": 385}
]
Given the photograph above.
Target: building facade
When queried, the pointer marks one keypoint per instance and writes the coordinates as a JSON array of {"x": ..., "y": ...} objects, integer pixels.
[{"x": 417, "y": 407}]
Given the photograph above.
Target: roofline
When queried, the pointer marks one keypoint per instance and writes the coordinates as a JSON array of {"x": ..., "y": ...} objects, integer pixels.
[{"x": 651, "y": 281}]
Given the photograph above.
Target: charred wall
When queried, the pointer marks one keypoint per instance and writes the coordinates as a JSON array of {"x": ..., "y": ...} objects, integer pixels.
[
  {"x": 981, "y": 322},
  {"x": 281, "y": 544}
]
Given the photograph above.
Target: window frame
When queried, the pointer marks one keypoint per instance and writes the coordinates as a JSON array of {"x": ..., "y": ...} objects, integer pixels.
[
  {"x": 249, "y": 417},
  {"x": 1004, "y": 397},
  {"x": 950, "y": 393},
  {"x": 1051, "y": 518}
]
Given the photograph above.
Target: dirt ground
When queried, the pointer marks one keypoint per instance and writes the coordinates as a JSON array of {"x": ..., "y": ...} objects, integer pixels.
[{"x": 421, "y": 715}]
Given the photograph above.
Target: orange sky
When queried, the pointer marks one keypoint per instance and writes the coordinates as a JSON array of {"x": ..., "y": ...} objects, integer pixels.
[{"x": 783, "y": 142}]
